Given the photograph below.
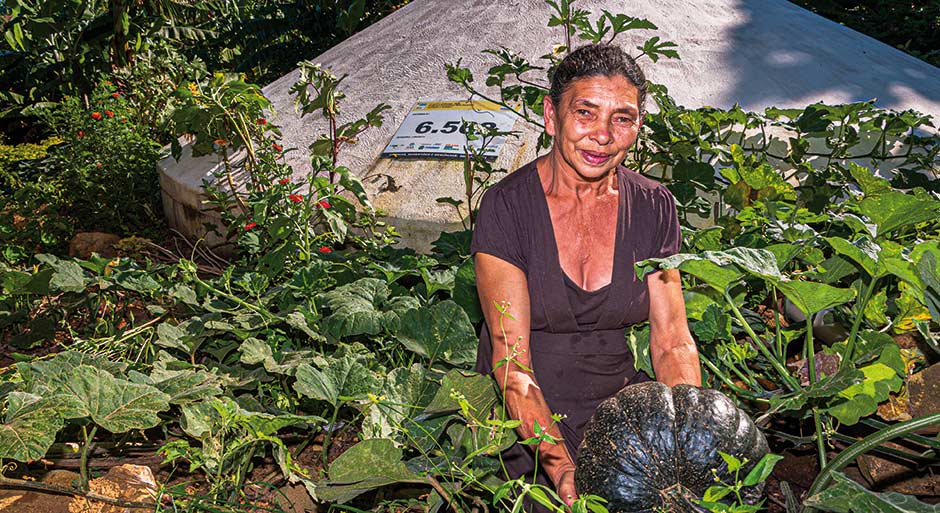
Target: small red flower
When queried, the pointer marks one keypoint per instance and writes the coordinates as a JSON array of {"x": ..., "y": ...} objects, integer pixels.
[
  {"x": 284, "y": 181},
  {"x": 98, "y": 165},
  {"x": 324, "y": 204},
  {"x": 115, "y": 95},
  {"x": 261, "y": 121},
  {"x": 325, "y": 249},
  {"x": 109, "y": 113},
  {"x": 81, "y": 133},
  {"x": 277, "y": 147},
  {"x": 96, "y": 116},
  {"x": 296, "y": 198},
  {"x": 250, "y": 225},
  {"x": 220, "y": 142}
]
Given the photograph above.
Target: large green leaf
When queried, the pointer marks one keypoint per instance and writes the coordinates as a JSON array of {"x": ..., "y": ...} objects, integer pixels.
[
  {"x": 115, "y": 404},
  {"x": 477, "y": 390},
  {"x": 863, "y": 252},
  {"x": 895, "y": 210},
  {"x": 369, "y": 464},
  {"x": 404, "y": 394},
  {"x": 67, "y": 276},
  {"x": 465, "y": 291},
  {"x": 847, "y": 496},
  {"x": 825, "y": 388},
  {"x": 364, "y": 307},
  {"x": 928, "y": 268},
  {"x": 718, "y": 269},
  {"x": 870, "y": 184},
  {"x": 811, "y": 297},
  {"x": 340, "y": 380},
  {"x": 29, "y": 428},
  {"x": 880, "y": 378},
  {"x": 183, "y": 386},
  {"x": 715, "y": 325},
  {"x": 440, "y": 332}
]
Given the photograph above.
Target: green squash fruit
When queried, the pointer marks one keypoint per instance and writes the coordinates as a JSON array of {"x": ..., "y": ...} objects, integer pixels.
[{"x": 651, "y": 448}]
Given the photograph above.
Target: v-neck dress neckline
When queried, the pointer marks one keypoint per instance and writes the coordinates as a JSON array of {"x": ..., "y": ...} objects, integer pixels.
[{"x": 561, "y": 282}]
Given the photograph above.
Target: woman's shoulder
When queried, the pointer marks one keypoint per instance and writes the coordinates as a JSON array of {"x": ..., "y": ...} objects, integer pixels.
[
  {"x": 639, "y": 181},
  {"x": 515, "y": 183}
]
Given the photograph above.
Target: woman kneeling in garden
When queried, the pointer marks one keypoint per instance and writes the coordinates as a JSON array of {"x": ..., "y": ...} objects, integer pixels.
[{"x": 554, "y": 247}]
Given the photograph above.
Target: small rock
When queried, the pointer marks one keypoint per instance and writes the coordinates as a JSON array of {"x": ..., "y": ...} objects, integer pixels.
[
  {"x": 85, "y": 243},
  {"x": 826, "y": 365}
]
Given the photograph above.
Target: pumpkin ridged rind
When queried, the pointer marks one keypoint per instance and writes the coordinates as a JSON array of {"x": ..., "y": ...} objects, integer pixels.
[{"x": 650, "y": 446}]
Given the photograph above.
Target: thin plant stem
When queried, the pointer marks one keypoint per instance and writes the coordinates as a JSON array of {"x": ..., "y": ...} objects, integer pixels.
[
  {"x": 789, "y": 380},
  {"x": 83, "y": 463},
  {"x": 810, "y": 353},
  {"x": 856, "y": 323}
]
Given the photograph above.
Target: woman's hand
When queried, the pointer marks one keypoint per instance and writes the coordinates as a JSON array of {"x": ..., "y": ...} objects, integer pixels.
[{"x": 565, "y": 487}]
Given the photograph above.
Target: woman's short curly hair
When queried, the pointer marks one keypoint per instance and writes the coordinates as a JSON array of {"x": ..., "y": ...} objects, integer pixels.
[{"x": 598, "y": 60}]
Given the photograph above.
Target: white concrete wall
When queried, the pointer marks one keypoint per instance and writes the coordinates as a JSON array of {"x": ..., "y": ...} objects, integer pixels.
[{"x": 757, "y": 53}]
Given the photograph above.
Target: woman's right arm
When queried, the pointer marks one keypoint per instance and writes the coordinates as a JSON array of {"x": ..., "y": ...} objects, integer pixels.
[{"x": 501, "y": 284}]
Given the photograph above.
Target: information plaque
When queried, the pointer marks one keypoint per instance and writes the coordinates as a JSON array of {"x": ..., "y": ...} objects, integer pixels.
[{"x": 436, "y": 129}]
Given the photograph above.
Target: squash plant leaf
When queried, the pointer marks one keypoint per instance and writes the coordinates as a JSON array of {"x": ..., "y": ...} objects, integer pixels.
[
  {"x": 710, "y": 273},
  {"x": 846, "y": 496},
  {"x": 406, "y": 391},
  {"x": 718, "y": 269},
  {"x": 367, "y": 465},
  {"x": 477, "y": 390},
  {"x": 29, "y": 428},
  {"x": 870, "y": 184},
  {"x": 895, "y": 210},
  {"x": 715, "y": 325},
  {"x": 880, "y": 378},
  {"x": 811, "y": 297},
  {"x": 67, "y": 276},
  {"x": 824, "y": 388},
  {"x": 363, "y": 307},
  {"x": 183, "y": 386},
  {"x": 928, "y": 267},
  {"x": 465, "y": 291},
  {"x": 340, "y": 380},
  {"x": 440, "y": 332},
  {"x": 863, "y": 252},
  {"x": 118, "y": 405}
]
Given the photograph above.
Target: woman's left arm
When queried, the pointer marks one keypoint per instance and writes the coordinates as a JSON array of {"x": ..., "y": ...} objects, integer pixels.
[{"x": 674, "y": 355}]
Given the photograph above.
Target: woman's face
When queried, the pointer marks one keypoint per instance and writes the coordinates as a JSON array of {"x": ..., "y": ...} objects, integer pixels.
[{"x": 594, "y": 124}]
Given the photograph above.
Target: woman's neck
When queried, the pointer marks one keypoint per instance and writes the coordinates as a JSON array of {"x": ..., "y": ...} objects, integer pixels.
[{"x": 560, "y": 179}]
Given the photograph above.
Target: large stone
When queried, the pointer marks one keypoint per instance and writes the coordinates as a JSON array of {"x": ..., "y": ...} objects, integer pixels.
[
  {"x": 758, "y": 54},
  {"x": 84, "y": 244},
  {"x": 127, "y": 482}
]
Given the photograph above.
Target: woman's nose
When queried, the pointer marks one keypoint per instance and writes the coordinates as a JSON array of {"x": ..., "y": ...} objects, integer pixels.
[{"x": 601, "y": 133}]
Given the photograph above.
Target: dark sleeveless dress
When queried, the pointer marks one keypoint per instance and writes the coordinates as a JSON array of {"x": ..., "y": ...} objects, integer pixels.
[{"x": 577, "y": 340}]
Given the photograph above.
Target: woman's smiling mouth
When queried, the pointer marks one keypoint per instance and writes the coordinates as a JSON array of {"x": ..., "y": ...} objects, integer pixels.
[{"x": 594, "y": 158}]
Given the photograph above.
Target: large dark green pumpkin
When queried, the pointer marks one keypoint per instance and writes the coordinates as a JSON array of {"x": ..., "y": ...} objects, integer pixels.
[{"x": 652, "y": 447}]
